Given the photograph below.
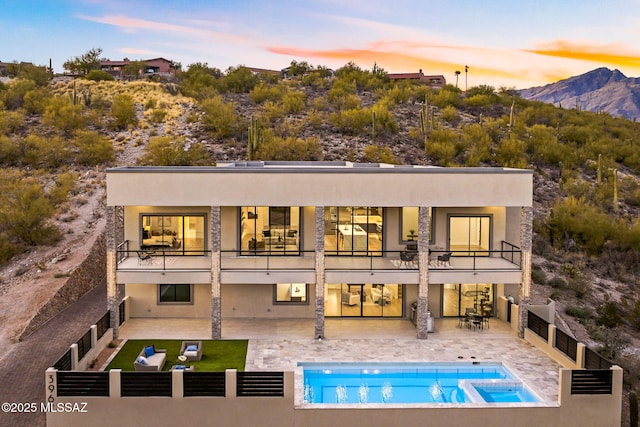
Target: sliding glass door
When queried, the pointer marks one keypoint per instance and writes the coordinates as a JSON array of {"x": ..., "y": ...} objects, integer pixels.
[
  {"x": 363, "y": 300},
  {"x": 470, "y": 235}
]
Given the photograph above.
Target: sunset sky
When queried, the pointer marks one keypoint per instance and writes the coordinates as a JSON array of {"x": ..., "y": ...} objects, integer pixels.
[{"x": 514, "y": 43}]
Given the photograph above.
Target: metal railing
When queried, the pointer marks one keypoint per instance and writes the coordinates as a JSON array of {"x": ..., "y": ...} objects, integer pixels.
[
  {"x": 103, "y": 325},
  {"x": 84, "y": 344},
  {"x": 593, "y": 360},
  {"x": 83, "y": 383}
]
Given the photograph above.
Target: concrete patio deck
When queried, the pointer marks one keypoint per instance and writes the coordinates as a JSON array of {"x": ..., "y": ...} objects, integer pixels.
[{"x": 280, "y": 344}]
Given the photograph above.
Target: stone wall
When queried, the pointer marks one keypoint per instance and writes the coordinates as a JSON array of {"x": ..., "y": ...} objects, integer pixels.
[{"x": 85, "y": 277}]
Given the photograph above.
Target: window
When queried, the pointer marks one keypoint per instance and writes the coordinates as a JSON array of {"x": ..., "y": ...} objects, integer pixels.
[
  {"x": 178, "y": 234},
  {"x": 353, "y": 230},
  {"x": 409, "y": 230},
  {"x": 291, "y": 293},
  {"x": 270, "y": 230},
  {"x": 168, "y": 294}
]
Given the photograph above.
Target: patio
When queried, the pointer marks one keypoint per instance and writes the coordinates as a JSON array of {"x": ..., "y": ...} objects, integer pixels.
[{"x": 279, "y": 344}]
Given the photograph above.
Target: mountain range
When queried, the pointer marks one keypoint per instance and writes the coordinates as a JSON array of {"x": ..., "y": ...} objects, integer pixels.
[{"x": 598, "y": 90}]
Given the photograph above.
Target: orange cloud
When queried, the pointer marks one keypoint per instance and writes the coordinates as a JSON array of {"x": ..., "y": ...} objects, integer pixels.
[
  {"x": 393, "y": 61},
  {"x": 600, "y": 54}
]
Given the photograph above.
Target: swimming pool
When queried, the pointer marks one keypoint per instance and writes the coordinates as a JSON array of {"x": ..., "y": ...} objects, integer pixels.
[{"x": 456, "y": 382}]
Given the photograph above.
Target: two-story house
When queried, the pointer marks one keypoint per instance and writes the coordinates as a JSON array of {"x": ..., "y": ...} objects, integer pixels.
[{"x": 317, "y": 240}]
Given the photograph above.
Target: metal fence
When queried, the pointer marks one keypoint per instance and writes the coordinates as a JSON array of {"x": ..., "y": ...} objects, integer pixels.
[
  {"x": 258, "y": 384},
  {"x": 593, "y": 360},
  {"x": 538, "y": 325},
  {"x": 566, "y": 344},
  {"x": 103, "y": 324},
  {"x": 136, "y": 384},
  {"x": 84, "y": 344},
  {"x": 83, "y": 383},
  {"x": 64, "y": 363},
  {"x": 594, "y": 381},
  {"x": 204, "y": 384}
]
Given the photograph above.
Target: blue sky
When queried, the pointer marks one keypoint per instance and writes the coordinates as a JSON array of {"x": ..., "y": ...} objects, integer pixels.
[{"x": 515, "y": 43}]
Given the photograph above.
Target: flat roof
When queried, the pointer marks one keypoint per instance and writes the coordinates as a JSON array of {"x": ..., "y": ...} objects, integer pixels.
[{"x": 314, "y": 166}]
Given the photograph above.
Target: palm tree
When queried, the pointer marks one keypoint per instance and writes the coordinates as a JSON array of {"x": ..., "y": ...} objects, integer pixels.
[
  {"x": 457, "y": 73},
  {"x": 466, "y": 71}
]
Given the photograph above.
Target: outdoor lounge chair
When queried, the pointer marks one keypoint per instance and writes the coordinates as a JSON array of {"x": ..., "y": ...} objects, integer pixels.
[
  {"x": 407, "y": 259},
  {"x": 192, "y": 350},
  {"x": 444, "y": 260},
  {"x": 150, "y": 359}
]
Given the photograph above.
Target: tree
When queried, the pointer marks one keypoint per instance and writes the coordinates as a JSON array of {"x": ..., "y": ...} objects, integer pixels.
[{"x": 84, "y": 63}]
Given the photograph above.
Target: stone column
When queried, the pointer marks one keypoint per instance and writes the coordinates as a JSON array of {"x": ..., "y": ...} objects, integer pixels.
[
  {"x": 112, "y": 288},
  {"x": 526, "y": 242},
  {"x": 423, "y": 272},
  {"x": 216, "y": 306},
  {"x": 319, "y": 248}
]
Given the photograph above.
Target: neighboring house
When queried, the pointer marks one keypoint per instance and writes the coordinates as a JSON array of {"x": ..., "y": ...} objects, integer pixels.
[
  {"x": 317, "y": 240},
  {"x": 153, "y": 66},
  {"x": 435, "y": 80}
]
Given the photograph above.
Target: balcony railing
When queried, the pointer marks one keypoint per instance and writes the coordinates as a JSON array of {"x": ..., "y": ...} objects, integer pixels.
[{"x": 508, "y": 258}]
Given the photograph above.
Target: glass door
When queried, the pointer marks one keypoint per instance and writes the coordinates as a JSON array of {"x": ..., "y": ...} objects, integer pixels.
[
  {"x": 470, "y": 235},
  {"x": 458, "y": 297},
  {"x": 363, "y": 300}
]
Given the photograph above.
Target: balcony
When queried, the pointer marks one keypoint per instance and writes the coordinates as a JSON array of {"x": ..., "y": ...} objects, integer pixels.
[{"x": 162, "y": 266}]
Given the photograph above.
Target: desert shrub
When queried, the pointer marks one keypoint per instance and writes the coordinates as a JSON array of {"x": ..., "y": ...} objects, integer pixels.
[
  {"x": 579, "y": 286},
  {"x": 342, "y": 95},
  {"x": 291, "y": 148},
  {"x": 446, "y": 96},
  {"x": 477, "y": 144},
  {"x": 557, "y": 282},
  {"x": 273, "y": 111},
  {"x": 265, "y": 92},
  {"x": 64, "y": 185},
  {"x": 239, "y": 80},
  {"x": 36, "y": 100},
  {"x": 42, "y": 152},
  {"x": 123, "y": 111},
  {"x": 11, "y": 121},
  {"x": 538, "y": 276},
  {"x": 13, "y": 95},
  {"x": 294, "y": 102},
  {"x": 25, "y": 212},
  {"x": 157, "y": 115},
  {"x": 449, "y": 114},
  {"x": 377, "y": 154},
  {"x": 396, "y": 95},
  {"x": 511, "y": 153},
  {"x": 62, "y": 114},
  {"x": 578, "y": 220},
  {"x": 442, "y": 146},
  {"x": 173, "y": 151},
  {"x": 608, "y": 314},
  {"x": 613, "y": 340},
  {"x": 8, "y": 151},
  {"x": 583, "y": 314},
  {"x": 220, "y": 117},
  {"x": 384, "y": 118},
  {"x": 92, "y": 148},
  {"x": 99, "y": 75},
  {"x": 351, "y": 121}
]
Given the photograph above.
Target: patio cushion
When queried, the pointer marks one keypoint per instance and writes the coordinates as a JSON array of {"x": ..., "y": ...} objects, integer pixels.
[
  {"x": 142, "y": 360},
  {"x": 149, "y": 351}
]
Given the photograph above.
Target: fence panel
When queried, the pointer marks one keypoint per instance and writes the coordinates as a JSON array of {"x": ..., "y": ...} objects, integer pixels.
[
  {"x": 595, "y": 381},
  {"x": 121, "y": 313},
  {"x": 64, "y": 363},
  {"x": 566, "y": 344},
  {"x": 593, "y": 360},
  {"x": 84, "y": 344},
  {"x": 103, "y": 324},
  {"x": 83, "y": 384},
  {"x": 137, "y": 384},
  {"x": 204, "y": 384},
  {"x": 538, "y": 325},
  {"x": 260, "y": 384}
]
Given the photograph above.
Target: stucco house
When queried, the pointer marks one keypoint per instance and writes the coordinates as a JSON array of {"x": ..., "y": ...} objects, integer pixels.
[{"x": 318, "y": 240}]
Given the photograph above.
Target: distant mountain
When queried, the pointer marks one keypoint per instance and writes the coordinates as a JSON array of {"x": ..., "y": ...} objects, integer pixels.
[{"x": 599, "y": 90}]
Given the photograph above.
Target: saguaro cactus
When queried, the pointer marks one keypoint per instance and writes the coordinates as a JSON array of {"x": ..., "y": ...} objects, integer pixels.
[
  {"x": 255, "y": 138},
  {"x": 373, "y": 127}
]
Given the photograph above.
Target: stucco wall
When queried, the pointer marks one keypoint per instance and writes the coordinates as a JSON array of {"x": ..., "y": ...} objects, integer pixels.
[
  {"x": 143, "y": 302},
  {"x": 256, "y": 301}
]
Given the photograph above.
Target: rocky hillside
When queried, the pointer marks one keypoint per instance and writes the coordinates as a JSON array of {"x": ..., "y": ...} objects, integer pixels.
[{"x": 599, "y": 90}]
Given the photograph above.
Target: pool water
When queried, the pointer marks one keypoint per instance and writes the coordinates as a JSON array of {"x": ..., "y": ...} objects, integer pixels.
[{"x": 412, "y": 383}]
